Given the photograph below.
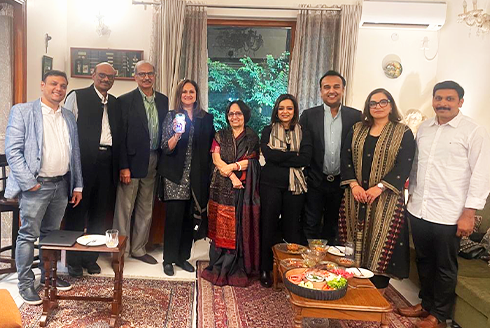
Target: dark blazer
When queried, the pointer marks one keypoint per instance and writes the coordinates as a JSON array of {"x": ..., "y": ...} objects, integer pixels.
[
  {"x": 89, "y": 121},
  {"x": 313, "y": 120},
  {"x": 135, "y": 137}
]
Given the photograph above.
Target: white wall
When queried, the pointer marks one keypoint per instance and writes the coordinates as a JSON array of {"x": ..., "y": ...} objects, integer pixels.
[
  {"x": 465, "y": 59},
  {"x": 44, "y": 16},
  {"x": 72, "y": 23},
  {"x": 412, "y": 90}
]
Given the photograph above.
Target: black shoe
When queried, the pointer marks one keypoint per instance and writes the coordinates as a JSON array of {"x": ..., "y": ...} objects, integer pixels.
[
  {"x": 30, "y": 296},
  {"x": 92, "y": 268},
  {"x": 186, "y": 266},
  {"x": 168, "y": 269},
  {"x": 147, "y": 258},
  {"x": 60, "y": 284},
  {"x": 265, "y": 279},
  {"x": 74, "y": 271}
]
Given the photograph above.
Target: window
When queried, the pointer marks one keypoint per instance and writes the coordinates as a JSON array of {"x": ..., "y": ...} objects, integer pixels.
[{"x": 248, "y": 60}]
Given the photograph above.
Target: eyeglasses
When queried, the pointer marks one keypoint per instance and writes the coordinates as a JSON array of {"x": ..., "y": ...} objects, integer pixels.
[
  {"x": 143, "y": 74},
  {"x": 237, "y": 114},
  {"x": 382, "y": 103},
  {"x": 103, "y": 76}
]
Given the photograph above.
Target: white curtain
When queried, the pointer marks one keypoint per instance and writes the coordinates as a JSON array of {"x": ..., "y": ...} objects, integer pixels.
[
  {"x": 195, "y": 49},
  {"x": 349, "y": 32},
  {"x": 315, "y": 52},
  {"x": 6, "y": 68},
  {"x": 166, "y": 47}
]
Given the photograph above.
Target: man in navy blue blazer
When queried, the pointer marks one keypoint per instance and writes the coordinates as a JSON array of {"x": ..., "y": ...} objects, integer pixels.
[
  {"x": 328, "y": 125},
  {"x": 41, "y": 146}
]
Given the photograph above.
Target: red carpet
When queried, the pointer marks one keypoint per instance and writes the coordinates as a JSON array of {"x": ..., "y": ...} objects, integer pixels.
[
  {"x": 146, "y": 303},
  {"x": 257, "y": 307}
]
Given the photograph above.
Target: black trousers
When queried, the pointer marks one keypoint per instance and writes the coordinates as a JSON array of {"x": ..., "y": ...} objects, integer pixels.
[
  {"x": 436, "y": 246},
  {"x": 323, "y": 202},
  {"x": 97, "y": 199},
  {"x": 277, "y": 202},
  {"x": 177, "y": 242}
]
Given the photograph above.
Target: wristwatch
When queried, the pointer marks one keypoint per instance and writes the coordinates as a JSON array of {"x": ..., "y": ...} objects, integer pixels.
[{"x": 381, "y": 186}]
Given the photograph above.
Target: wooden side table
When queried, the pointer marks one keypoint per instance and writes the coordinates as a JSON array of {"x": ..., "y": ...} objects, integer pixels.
[
  {"x": 51, "y": 297},
  {"x": 364, "y": 303}
]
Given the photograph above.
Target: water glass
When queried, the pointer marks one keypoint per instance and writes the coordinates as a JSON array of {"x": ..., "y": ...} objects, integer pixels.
[
  {"x": 349, "y": 249},
  {"x": 112, "y": 238}
]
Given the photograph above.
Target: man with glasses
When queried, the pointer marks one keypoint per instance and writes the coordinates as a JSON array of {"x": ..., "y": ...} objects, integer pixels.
[
  {"x": 97, "y": 120},
  {"x": 143, "y": 111},
  {"x": 328, "y": 125}
]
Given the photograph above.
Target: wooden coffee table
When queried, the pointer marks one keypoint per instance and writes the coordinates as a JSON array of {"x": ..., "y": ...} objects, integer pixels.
[
  {"x": 51, "y": 297},
  {"x": 362, "y": 301}
]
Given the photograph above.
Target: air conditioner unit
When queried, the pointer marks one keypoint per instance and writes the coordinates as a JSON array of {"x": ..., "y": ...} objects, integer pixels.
[{"x": 403, "y": 14}]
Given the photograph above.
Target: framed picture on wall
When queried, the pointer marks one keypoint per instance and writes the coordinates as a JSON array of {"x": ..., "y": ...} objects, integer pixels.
[
  {"x": 47, "y": 64},
  {"x": 83, "y": 61}
]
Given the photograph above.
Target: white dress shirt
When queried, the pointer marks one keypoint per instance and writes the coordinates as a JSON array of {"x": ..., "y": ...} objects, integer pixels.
[
  {"x": 55, "y": 160},
  {"x": 451, "y": 170},
  {"x": 105, "y": 134}
]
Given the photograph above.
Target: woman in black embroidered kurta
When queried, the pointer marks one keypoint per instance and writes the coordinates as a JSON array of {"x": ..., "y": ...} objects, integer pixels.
[{"x": 375, "y": 164}]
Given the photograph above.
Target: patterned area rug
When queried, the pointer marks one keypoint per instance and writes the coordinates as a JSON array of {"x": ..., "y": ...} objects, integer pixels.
[
  {"x": 146, "y": 303},
  {"x": 255, "y": 307}
]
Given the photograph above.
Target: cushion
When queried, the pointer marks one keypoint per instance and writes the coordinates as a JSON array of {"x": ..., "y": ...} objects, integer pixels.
[
  {"x": 476, "y": 292},
  {"x": 9, "y": 315},
  {"x": 473, "y": 268},
  {"x": 465, "y": 241}
]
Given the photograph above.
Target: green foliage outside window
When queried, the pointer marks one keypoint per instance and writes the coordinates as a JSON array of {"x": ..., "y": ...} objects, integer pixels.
[{"x": 258, "y": 84}]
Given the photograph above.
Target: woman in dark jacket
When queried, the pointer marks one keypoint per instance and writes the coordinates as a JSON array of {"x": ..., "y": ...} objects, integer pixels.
[
  {"x": 287, "y": 149},
  {"x": 375, "y": 163},
  {"x": 185, "y": 166}
]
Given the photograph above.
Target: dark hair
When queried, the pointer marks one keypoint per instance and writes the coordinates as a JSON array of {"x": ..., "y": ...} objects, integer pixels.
[
  {"x": 394, "y": 116},
  {"x": 246, "y": 111},
  {"x": 54, "y": 73},
  {"x": 332, "y": 73},
  {"x": 178, "y": 97},
  {"x": 449, "y": 85},
  {"x": 275, "y": 110}
]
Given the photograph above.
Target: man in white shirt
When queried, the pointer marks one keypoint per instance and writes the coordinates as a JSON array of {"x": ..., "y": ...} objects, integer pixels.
[
  {"x": 41, "y": 146},
  {"x": 97, "y": 121},
  {"x": 450, "y": 180}
]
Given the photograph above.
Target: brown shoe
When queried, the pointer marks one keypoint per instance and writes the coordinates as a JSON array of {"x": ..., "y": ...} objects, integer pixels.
[
  {"x": 413, "y": 311},
  {"x": 431, "y": 322}
]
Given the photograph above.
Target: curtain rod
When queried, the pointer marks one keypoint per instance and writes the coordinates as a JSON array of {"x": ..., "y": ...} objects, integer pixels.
[{"x": 137, "y": 2}]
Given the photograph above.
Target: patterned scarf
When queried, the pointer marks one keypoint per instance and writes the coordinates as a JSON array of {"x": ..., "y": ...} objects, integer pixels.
[
  {"x": 279, "y": 140},
  {"x": 376, "y": 233}
]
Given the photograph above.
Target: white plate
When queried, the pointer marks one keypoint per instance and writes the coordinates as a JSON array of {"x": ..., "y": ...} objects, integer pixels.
[
  {"x": 365, "y": 273},
  {"x": 337, "y": 252},
  {"x": 91, "y": 240}
]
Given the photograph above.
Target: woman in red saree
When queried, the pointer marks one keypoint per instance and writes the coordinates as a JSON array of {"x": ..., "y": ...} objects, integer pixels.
[{"x": 234, "y": 206}]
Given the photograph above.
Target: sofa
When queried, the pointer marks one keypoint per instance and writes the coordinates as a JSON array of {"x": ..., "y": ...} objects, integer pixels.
[{"x": 472, "y": 307}]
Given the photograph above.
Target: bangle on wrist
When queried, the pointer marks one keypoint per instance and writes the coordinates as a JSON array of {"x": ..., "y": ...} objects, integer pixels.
[
  {"x": 177, "y": 136},
  {"x": 239, "y": 167}
]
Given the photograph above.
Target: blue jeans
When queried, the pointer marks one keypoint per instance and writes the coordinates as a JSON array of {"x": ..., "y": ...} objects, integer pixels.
[{"x": 41, "y": 212}]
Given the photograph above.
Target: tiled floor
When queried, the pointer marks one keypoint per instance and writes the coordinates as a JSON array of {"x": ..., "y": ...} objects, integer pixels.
[{"x": 135, "y": 268}]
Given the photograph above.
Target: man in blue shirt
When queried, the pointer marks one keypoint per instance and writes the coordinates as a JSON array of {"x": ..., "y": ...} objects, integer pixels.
[{"x": 328, "y": 125}]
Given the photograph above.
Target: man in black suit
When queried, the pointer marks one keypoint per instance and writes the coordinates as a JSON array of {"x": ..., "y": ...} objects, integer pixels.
[
  {"x": 143, "y": 111},
  {"x": 328, "y": 125},
  {"x": 98, "y": 125}
]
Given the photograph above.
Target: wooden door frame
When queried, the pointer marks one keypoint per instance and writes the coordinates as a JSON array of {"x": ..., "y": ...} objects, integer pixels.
[{"x": 20, "y": 50}]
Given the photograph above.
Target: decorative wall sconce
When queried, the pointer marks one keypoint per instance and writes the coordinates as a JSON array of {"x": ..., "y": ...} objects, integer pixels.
[
  {"x": 101, "y": 28},
  {"x": 475, "y": 17}
]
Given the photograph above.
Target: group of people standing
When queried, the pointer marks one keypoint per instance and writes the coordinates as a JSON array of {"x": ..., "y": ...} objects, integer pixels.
[{"x": 334, "y": 173}]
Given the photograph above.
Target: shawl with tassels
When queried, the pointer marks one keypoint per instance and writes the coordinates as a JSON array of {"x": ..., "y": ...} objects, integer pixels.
[{"x": 374, "y": 234}]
